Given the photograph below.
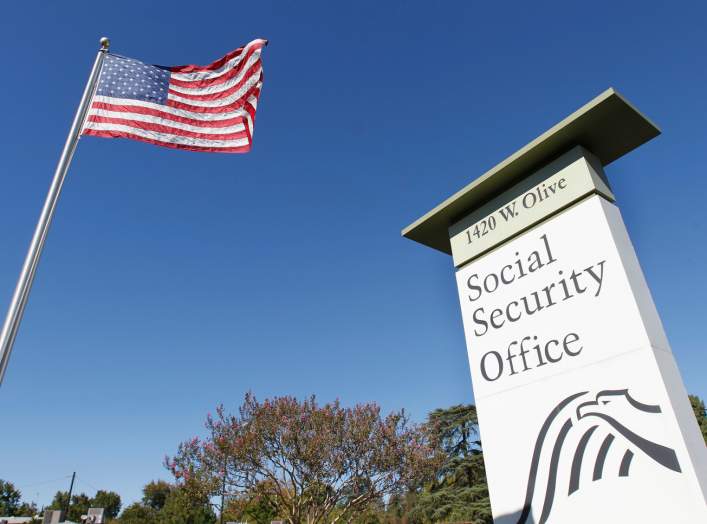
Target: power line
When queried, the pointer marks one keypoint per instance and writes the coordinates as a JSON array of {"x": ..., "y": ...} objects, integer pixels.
[
  {"x": 43, "y": 482},
  {"x": 87, "y": 483}
]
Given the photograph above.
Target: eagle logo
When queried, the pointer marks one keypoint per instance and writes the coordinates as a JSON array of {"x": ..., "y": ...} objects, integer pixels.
[{"x": 611, "y": 411}]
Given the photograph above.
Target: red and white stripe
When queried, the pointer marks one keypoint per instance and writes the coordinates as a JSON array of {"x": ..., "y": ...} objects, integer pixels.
[{"x": 208, "y": 108}]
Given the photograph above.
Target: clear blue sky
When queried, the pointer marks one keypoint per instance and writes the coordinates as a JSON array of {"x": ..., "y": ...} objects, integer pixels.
[{"x": 173, "y": 281}]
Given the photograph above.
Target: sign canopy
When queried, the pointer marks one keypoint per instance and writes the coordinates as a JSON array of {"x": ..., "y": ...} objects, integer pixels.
[{"x": 609, "y": 126}]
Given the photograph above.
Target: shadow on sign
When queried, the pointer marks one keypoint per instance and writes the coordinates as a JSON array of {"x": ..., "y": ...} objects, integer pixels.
[{"x": 514, "y": 518}]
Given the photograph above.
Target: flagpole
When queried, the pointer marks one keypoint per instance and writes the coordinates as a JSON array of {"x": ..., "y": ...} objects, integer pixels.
[{"x": 29, "y": 268}]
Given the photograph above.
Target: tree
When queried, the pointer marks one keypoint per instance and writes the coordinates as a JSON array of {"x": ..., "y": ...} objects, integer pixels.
[
  {"x": 698, "y": 406},
  {"x": 250, "y": 507},
  {"x": 9, "y": 499},
  {"x": 79, "y": 504},
  {"x": 186, "y": 507},
  {"x": 138, "y": 514},
  {"x": 155, "y": 493},
  {"x": 459, "y": 492},
  {"x": 109, "y": 500},
  {"x": 312, "y": 463},
  {"x": 59, "y": 500},
  {"x": 164, "y": 503},
  {"x": 27, "y": 509},
  {"x": 154, "y": 497},
  {"x": 399, "y": 507}
]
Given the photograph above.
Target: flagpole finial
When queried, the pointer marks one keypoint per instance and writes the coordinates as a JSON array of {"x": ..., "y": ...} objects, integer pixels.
[{"x": 105, "y": 43}]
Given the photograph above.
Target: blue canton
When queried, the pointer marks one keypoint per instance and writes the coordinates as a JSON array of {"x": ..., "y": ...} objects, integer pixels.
[{"x": 127, "y": 78}]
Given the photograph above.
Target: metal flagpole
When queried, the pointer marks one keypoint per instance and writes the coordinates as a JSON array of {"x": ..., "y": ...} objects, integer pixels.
[{"x": 24, "y": 283}]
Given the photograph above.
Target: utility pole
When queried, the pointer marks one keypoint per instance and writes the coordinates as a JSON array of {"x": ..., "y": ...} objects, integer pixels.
[{"x": 68, "y": 499}]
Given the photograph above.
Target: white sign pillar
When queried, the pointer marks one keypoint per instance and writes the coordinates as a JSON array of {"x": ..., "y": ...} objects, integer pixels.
[{"x": 583, "y": 415}]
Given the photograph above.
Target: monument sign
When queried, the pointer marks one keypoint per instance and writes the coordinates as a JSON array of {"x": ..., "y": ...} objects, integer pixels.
[{"x": 583, "y": 415}]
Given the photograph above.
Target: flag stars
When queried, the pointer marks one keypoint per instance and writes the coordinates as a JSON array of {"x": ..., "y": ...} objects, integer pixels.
[{"x": 126, "y": 78}]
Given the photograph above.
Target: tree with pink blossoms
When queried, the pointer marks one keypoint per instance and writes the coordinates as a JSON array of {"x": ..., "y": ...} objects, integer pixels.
[{"x": 313, "y": 463}]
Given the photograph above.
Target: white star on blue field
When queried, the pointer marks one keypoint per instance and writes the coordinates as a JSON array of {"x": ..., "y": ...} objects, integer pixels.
[{"x": 127, "y": 78}]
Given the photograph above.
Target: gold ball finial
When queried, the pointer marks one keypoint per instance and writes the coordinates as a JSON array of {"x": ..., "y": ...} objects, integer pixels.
[{"x": 105, "y": 43}]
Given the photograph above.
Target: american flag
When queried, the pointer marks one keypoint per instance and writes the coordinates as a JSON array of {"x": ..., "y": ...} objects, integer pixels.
[{"x": 199, "y": 108}]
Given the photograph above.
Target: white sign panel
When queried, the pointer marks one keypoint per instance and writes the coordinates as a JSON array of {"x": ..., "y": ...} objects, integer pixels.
[{"x": 582, "y": 412}]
